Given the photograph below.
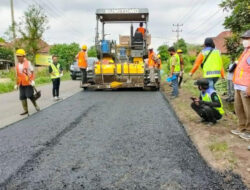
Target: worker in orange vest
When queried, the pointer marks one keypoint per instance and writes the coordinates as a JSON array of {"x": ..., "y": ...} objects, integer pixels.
[
  {"x": 241, "y": 80},
  {"x": 82, "y": 58},
  {"x": 25, "y": 81},
  {"x": 151, "y": 64},
  {"x": 141, "y": 29}
]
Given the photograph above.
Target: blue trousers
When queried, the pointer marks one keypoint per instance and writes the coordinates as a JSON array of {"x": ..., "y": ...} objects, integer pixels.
[
  {"x": 175, "y": 86},
  {"x": 212, "y": 82}
]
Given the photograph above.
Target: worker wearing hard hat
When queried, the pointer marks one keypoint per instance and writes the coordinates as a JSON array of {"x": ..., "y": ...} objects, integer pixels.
[
  {"x": 151, "y": 63},
  {"x": 209, "y": 106},
  {"x": 25, "y": 81},
  {"x": 210, "y": 61},
  {"x": 179, "y": 51},
  {"x": 241, "y": 80},
  {"x": 175, "y": 69},
  {"x": 82, "y": 58}
]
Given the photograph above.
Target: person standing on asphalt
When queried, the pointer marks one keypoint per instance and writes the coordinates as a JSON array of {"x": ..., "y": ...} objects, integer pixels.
[
  {"x": 211, "y": 62},
  {"x": 56, "y": 71},
  {"x": 82, "y": 58},
  {"x": 179, "y": 51},
  {"x": 241, "y": 81},
  {"x": 25, "y": 81},
  {"x": 175, "y": 69},
  {"x": 209, "y": 106},
  {"x": 151, "y": 64}
]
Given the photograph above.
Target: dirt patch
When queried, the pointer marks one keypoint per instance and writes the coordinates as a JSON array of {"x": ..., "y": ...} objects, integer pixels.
[{"x": 222, "y": 150}]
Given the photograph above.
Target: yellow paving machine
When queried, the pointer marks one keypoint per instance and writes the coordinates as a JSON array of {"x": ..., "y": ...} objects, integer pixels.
[{"x": 122, "y": 65}]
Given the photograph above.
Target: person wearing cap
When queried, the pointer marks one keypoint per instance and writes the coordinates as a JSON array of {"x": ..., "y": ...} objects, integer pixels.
[
  {"x": 152, "y": 64},
  {"x": 82, "y": 59},
  {"x": 179, "y": 51},
  {"x": 25, "y": 81},
  {"x": 56, "y": 71},
  {"x": 209, "y": 105},
  {"x": 211, "y": 63},
  {"x": 175, "y": 69},
  {"x": 241, "y": 80}
]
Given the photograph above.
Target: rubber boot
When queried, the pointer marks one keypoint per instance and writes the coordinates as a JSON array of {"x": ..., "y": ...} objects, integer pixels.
[
  {"x": 25, "y": 107},
  {"x": 35, "y": 104}
]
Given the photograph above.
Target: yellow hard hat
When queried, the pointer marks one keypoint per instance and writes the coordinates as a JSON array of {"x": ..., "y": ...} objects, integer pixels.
[
  {"x": 159, "y": 56},
  {"x": 20, "y": 52},
  {"x": 84, "y": 47},
  {"x": 179, "y": 51}
]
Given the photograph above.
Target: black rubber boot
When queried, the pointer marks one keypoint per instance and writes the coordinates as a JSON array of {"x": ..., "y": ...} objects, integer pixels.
[{"x": 25, "y": 107}]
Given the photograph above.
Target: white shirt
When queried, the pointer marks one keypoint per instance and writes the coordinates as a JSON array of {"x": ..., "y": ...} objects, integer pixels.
[{"x": 30, "y": 67}]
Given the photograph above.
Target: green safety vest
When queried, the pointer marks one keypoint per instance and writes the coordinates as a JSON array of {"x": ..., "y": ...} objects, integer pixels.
[
  {"x": 55, "y": 70},
  {"x": 177, "y": 67},
  {"x": 213, "y": 65},
  {"x": 206, "y": 97}
]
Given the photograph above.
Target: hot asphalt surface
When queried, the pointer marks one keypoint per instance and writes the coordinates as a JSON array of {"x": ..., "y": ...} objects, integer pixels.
[{"x": 105, "y": 140}]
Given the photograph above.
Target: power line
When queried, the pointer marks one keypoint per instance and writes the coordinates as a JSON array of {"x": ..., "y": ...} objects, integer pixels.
[{"x": 177, "y": 30}]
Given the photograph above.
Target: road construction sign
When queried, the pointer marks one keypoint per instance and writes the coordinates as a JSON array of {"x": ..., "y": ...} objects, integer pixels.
[{"x": 43, "y": 59}]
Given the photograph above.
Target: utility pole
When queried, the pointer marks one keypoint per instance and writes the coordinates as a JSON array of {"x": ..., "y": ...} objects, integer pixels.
[
  {"x": 13, "y": 27},
  {"x": 177, "y": 30}
]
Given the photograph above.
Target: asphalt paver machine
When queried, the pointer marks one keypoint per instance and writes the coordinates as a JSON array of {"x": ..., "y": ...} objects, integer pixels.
[{"x": 122, "y": 65}]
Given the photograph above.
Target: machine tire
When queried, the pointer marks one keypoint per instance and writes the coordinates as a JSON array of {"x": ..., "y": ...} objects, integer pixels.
[{"x": 73, "y": 77}]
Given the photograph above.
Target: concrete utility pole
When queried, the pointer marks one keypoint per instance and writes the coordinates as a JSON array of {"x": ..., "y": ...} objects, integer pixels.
[
  {"x": 13, "y": 29},
  {"x": 177, "y": 30}
]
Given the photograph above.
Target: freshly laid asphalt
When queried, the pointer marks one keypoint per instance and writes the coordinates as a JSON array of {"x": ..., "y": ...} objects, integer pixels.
[{"x": 105, "y": 140}]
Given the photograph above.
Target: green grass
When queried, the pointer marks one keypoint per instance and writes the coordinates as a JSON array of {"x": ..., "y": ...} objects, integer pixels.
[
  {"x": 218, "y": 147},
  {"x": 41, "y": 77},
  {"x": 6, "y": 87}
]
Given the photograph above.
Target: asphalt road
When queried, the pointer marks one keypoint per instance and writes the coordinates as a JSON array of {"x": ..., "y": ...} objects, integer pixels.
[{"x": 105, "y": 140}]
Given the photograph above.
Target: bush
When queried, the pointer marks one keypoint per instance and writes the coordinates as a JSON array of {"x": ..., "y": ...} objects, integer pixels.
[
  {"x": 6, "y": 87},
  {"x": 226, "y": 61}
]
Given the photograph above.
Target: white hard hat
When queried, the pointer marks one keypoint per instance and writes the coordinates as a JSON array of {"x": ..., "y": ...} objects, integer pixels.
[{"x": 150, "y": 47}]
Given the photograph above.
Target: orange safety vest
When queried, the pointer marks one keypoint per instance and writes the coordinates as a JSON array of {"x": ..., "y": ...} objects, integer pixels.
[
  {"x": 25, "y": 76},
  {"x": 82, "y": 62},
  {"x": 141, "y": 30},
  {"x": 242, "y": 71},
  {"x": 151, "y": 62}
]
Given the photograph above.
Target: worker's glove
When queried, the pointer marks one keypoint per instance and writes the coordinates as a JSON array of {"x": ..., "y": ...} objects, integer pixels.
[
  {"x": 61, "y": 74},
  {"x": 190, "y": 74},
  {"x": 16, "y": 87},
  {"x": 32, "y": 83}
]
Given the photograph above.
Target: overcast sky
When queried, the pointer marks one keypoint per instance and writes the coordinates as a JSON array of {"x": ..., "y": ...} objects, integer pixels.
[{"x": 75, "y": 21}]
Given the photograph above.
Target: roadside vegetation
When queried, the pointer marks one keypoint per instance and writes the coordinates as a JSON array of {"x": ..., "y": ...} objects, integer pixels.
[{"x": 8, "y": 78}]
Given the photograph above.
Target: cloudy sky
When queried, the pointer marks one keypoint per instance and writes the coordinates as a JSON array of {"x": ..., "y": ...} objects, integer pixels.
[{"x": 74, "y": 20}]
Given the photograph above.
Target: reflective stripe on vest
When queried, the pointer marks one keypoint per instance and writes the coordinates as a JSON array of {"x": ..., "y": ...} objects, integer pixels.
[
  {"x": 206, "y": 97},
  {"x": 82, "y": 62},
  {"x": 177, "y": 67},
  {"x": 242, "y": 71},
  {"x": 55, "y": 71},
  {"x": 213, "y": 65},
  {"x": 24, "y": 77}
]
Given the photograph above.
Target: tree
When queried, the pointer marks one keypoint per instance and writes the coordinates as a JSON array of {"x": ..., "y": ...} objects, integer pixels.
[
  {"x": 238, "y": 22},
  {"x": 2, "y": 39},
  {"x": 7, "y": 54},
  {"x": 31, "y": 28},
  {"x": 92, "y": 52},
  {"x": 181, "y": 44},
  {"x": 66, "y": 53},
  {"x": 163, "y": 51}
]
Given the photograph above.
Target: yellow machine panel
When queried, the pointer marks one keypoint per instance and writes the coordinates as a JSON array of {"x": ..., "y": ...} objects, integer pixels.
[{"x": 128, "y": 68}]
